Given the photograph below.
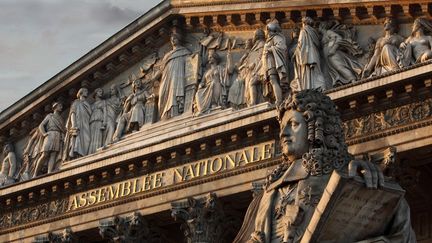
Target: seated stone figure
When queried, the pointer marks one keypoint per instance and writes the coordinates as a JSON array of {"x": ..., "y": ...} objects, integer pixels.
[
  {"x": 384, "y": 58},
  {"x": 133, "y": 114},
  {"x": 418, "y": 47},
  {"x": 313, "y": 146}
]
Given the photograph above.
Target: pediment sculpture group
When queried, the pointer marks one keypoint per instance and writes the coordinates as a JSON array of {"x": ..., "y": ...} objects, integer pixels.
[{"x": 317, "y": 56}]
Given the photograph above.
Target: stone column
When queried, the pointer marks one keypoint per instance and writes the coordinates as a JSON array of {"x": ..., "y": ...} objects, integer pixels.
[
  {"x": 202, "y": 219},
  {"x": 67, "y": 236},
  {"x": 130, "y": 229}
]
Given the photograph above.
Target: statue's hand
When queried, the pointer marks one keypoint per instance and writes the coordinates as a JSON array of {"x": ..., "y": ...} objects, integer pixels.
[{"x": 372, "y": 175}]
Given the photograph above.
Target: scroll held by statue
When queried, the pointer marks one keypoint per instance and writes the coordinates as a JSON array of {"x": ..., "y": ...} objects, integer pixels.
[{"x": 348, "y": 211}]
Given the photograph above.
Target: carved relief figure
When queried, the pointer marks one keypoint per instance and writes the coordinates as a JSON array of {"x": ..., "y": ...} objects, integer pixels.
[
  {"x": 77, "y": 140},
  {"x": 237, "y": 91},
  {"x": 307, "y": 64},
  {"x": 31, "y": 154},
  {"x": 339, "y": 53},
  {"x": 172, "y": 79},
  {"x": 418, "y": 47},
  {"x": 210, "y": 90},
  {"x": 313, "y": 146},
  {"x": 113, "y": 109},
  {"x": 250, "y": 66},
  {"x": 51, "y": 130},
  {"x": 275, "y": 68},
  {"x": 98, "y": 121},
  {"x": 9, "y": 167},
  {"x": 133, "y": 116},
  {"x": 386, "y": 51}
]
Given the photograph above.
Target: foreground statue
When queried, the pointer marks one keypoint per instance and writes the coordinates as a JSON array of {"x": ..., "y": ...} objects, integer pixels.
[{"x": 313, "y": 146}]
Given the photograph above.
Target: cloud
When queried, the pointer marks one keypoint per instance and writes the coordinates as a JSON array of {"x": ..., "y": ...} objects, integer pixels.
[{"x": 40, "y": 38}]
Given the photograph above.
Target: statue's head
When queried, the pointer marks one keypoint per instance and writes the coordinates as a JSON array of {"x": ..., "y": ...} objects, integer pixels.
[
  {"x": 213, "y": 58},
  {"x": 115, "y": 90},
  {"x": 83, "y": 92},
  {"x": 390, "y": 25},
  {"x": 307, "y": 21},
  {"x": 57, "y": 106},
  {"x": 8, "y": 148},
  {"x": 421, "y": 23},
  {"x": 136, "y": 85},
  {"x": 175, "y": 39},
  {"x": 273, "y": 27},
  {"x": 99, "y": 92},
  {"x": 311, "y": 130},
  {"x": 259, "y": 35}
]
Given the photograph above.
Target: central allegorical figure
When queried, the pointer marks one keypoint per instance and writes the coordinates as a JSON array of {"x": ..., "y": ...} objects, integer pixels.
[
  {"x": 172, "y": 79},
  {"x": 313, "y": 146}
]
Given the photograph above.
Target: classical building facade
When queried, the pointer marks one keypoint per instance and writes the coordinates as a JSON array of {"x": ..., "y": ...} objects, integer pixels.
[{"x": 167, "y": 131}]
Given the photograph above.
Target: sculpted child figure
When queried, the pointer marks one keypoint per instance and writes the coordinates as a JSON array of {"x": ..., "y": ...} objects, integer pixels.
[{"x": 313, "y": 146}]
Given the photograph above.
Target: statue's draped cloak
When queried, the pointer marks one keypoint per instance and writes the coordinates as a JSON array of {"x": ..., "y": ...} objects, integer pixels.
[
  {"x": 79, "y": 144},
  {"x": 301, "y": 193},
  {"x": 307, "y": 71},
  {"x": 173, "y": 80}
]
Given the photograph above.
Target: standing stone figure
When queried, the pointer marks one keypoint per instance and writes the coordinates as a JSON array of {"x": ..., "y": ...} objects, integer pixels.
[
  {"x": 133, "y": 114},
  {"x": 250, "y": 68},
  {"x": 98, "y": 120},
  {"x": 275, "y": 68},
  {"x": 172, "y": 79},
  {"x": 339, "y": 54},
  {"x": 113, "y": 109},
  {"x": 418, "y": 47},
  {"x": 386, "y": 51},
  {"x": 77, "y": 141},
  {"x": 313, "y": 146},
  {"x": 307, "y": 60},
  {"x": 210, "y": 90},
  {"x": 51, "y": 131},
  {"x": 9, "y": 167}
]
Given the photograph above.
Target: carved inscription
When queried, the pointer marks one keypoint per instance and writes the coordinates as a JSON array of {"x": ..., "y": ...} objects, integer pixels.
[{"x": 189, "y": 171}]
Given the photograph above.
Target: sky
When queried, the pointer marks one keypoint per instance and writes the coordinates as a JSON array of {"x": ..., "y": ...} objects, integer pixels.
[{"x": 39, "y": 38}]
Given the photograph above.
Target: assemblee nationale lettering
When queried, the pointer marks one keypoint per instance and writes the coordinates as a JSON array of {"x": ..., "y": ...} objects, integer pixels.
[{"x": 172, "y": 176}]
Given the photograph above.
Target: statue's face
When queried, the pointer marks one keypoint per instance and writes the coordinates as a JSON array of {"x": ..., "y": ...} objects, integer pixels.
[
  {"x": 84, "y": 93},
  {"x": 174, "y": 41},
  {"x": 388, "y": 25},
  {"x": 59, "y": 108},
  {"x": 99, "y": 93},
  {"x": 113, "y": 91},
  {"x": 416, "y": 26},
  {"x": 293, "y": 135}
]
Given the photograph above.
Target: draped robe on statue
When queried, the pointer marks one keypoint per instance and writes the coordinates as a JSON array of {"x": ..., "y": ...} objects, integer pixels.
[
  {"x": 275, "y": 59},
  {"x": 307, "y": 70},
  {"x": 173, "y": 81},
  {"x": 78, "y": 143}
]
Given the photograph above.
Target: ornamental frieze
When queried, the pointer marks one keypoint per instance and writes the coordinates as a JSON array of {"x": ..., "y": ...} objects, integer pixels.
[{"x": 391, "y": 118}]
